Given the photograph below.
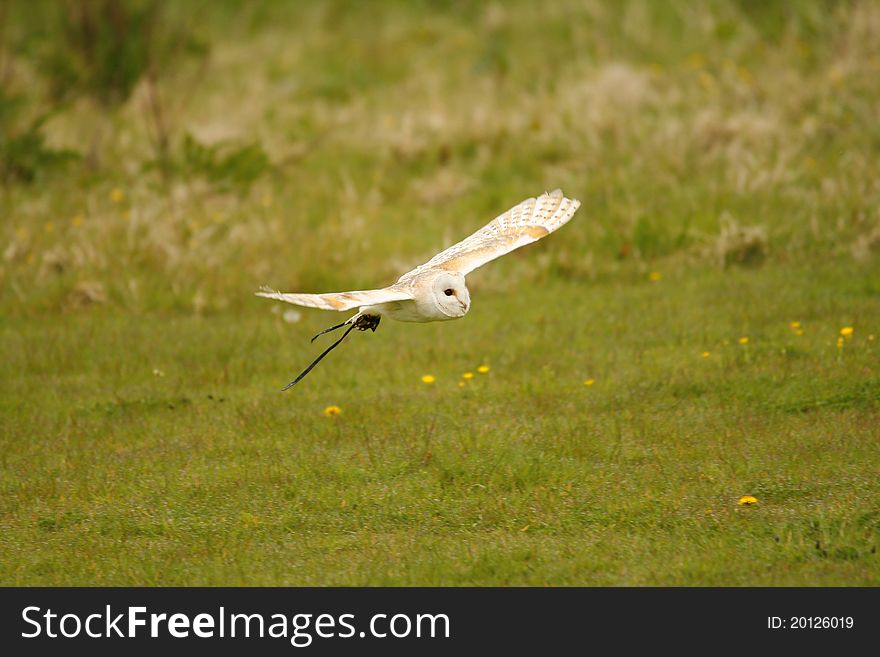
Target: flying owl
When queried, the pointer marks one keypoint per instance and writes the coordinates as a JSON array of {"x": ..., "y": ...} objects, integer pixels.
[{"x": 436, "y": 291}]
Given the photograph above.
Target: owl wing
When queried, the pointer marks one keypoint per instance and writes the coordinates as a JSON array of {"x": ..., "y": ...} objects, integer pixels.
[
  {"x": 340, "y": 300},
  {"x": 522, "y": 224}
]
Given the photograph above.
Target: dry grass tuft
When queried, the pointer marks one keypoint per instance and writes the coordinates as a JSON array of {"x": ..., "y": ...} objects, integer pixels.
[
  {"x": 86, "y": 293},
  {"x": 738, "y": 244},
  {"x": 866, "y": 246}
]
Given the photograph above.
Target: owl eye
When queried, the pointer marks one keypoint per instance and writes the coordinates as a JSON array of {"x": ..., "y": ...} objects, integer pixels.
[{"x": 448, "y": 292}]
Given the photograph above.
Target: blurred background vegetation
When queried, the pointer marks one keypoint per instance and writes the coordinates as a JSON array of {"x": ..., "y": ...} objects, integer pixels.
[{"x": 165, "y": 155}]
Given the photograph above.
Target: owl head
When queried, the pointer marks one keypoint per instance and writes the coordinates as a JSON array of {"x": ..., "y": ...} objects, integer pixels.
[{"x": 450, "y": 294}]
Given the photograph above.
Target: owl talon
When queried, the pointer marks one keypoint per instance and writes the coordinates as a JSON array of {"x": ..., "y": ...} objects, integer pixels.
[{"x": 365, "y": 322}]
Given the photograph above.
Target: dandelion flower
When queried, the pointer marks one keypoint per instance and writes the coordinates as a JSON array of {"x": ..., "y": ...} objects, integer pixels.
[
  {"x": 330, "y": 411},
  {"x": 117, "y": 195},
  {"x": 483, "y": 369},
  {"x": 467, "y": 376},
  {"x": 461, "y": 384},
  {"x": 794, "y": 325},
  {"x": 428, "y": 378},
  {"x": 747, "y": 500},
  {"x": 744, "y": 339},
  {"x": 706, "y": 354},
  {"x": 655, "y": 276},
  {"x": 847, "y": 331},
  {"x": 589, "y": 382},
  {"x": 798, "y": 331}
]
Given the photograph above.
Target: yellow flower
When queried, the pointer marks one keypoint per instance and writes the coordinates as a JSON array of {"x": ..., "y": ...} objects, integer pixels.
[
  {"x": 747, "y": 500},
  {"x": 467, "y": 375},
  {"x": 589, "y": 382},
  {"x": 77, "y": 220},
  {"x": 428, "y": 378},
  {"x": 330, "y": 411},
  {"x": 840, "y": 343},
  {"x": 483, "y": 369},
  {"x": 461, "y": 384},
  {"x": 706, "y": 354},
  {"x": 794, "y": 325},
  {"x": 744, "y": 339},
  {"x": 847, "y": 331},
  {"x": 117, "y": 195},
  {"x": 798, "y": 331},
  {"x": 655, "y": 276}
]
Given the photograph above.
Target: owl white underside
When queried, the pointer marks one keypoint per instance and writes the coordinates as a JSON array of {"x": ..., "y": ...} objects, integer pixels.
[
  {"x": 411, "y": 298},
  {"x": 407, "y": 310}
]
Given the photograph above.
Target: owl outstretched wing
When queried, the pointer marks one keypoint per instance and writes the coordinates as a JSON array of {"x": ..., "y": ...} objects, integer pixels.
[
  {"x": 340, "y": 300},
  {"x": 523, "y": 224}
]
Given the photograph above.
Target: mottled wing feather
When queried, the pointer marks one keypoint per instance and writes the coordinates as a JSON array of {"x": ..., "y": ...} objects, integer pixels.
[
  {"x": 523, "y": 224},
  {"x": 340, "y": 300}
]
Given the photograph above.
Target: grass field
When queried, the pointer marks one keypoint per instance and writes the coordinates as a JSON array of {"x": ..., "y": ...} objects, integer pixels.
[{"x": 727, "y": 156}]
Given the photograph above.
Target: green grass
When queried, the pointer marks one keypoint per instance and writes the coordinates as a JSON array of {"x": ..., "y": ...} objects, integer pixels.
[{"x": 143, "y": 437}]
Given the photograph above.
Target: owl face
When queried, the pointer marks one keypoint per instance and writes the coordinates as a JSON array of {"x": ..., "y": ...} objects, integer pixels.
[{"x": 450, "y": 294}]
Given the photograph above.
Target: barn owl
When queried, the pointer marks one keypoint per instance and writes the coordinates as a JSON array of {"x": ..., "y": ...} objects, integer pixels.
[{"x": 436, "y": 291}]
